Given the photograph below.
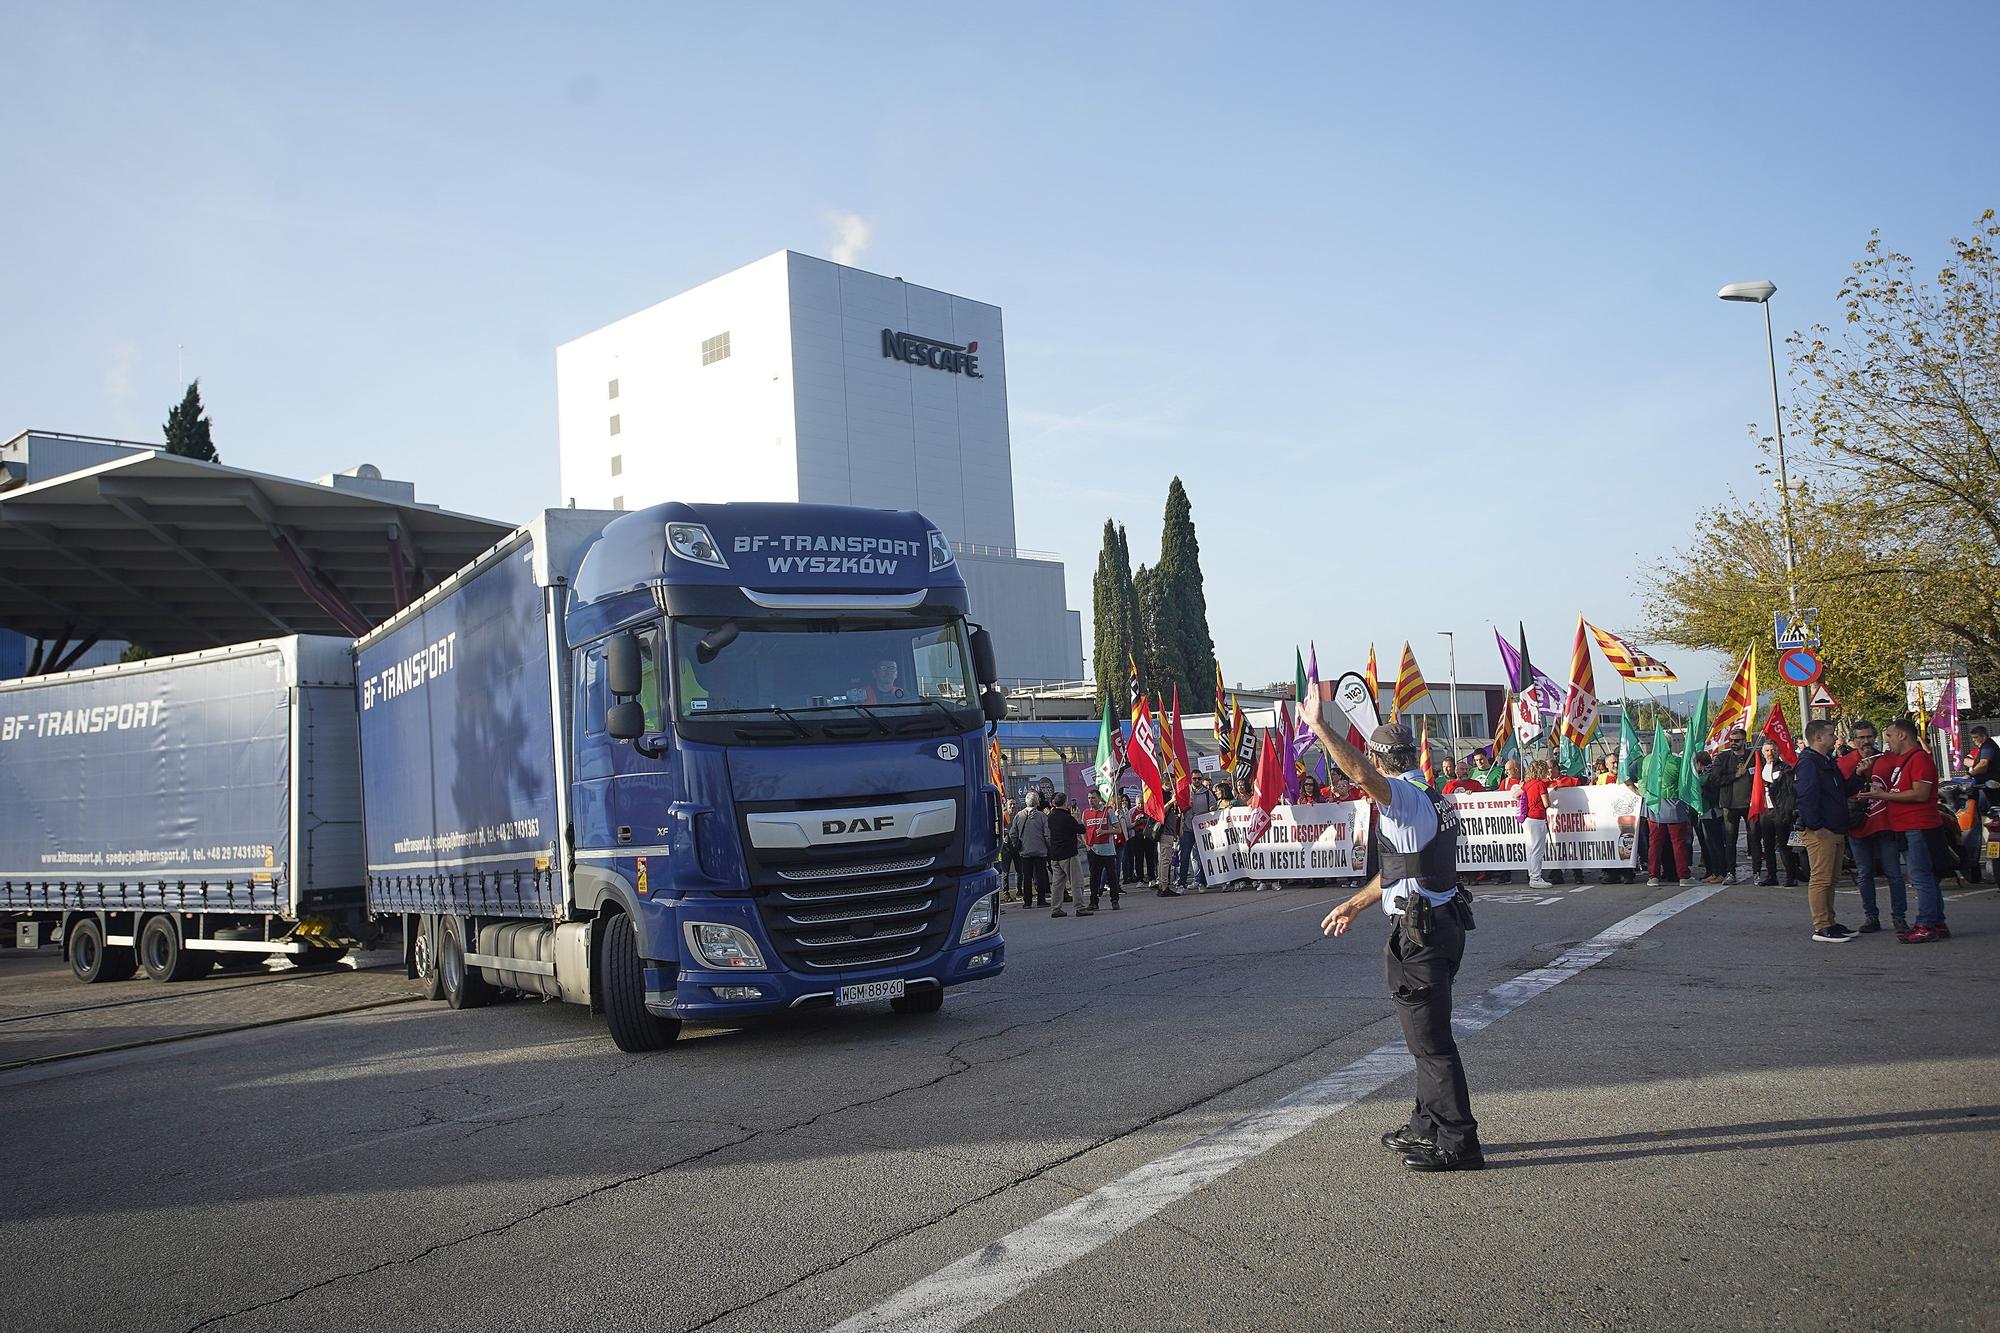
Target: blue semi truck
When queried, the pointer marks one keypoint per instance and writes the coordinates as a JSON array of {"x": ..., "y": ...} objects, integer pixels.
[{"x": 688, "y": 763}]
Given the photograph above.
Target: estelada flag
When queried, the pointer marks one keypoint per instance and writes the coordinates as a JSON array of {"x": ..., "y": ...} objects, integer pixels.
[
  {"x": 1183, "y": 770},
  {"x": 1779, "y": 732},
  {"x": 1143, "y": 754},
  {"x": 1628, "y": 661},
  {"x": 1410, "y": 685},
  {"x": 1739, "y": 706}
]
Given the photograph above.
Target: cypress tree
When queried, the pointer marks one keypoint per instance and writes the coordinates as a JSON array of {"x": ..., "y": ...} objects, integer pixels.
[
  {"x": 1146, "y": 628},
  {"x": 1186, "y": 650},
  {"x": 1111, "y": 618},
  {"x": 188, "y": 430}
]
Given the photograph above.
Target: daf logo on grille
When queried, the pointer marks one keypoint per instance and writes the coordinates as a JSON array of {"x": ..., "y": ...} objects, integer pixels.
[
  {"x": 949, "y": 750},
  {"x": 861, "y": 824}
]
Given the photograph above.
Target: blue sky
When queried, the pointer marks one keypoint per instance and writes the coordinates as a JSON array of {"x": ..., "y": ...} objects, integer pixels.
[{"x": 1419, "y": 301}]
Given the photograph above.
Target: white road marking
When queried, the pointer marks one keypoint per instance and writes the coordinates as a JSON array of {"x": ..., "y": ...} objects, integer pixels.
[
  {"x": 1304, "y": 907},
  {"x": 1135, "y": 948},
  {"x": 982, "y": 1281}
]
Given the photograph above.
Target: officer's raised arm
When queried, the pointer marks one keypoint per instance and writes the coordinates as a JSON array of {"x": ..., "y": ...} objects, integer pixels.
[{"x": 1352, "y": 762}]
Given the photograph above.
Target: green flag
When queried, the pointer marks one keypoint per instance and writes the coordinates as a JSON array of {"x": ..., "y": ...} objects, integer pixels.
[
  {"x": 1630, "y": 757},
  {"x": 1299, "y": 691},
  {"x": 1574, "y": 761},
  {"x": 1690, "y": 776},
  {"x": 1655, "y": 782},
  {"x": 1107, "y": 756}
]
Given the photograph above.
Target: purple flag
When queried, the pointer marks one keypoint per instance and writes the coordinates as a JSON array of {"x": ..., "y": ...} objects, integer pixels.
[{"x": 1945, "y": 721}]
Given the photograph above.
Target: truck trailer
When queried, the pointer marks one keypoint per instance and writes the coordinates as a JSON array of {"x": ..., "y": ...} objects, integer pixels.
[
  {"x": 687, "y": 764},
  {"x": 182, "y": 812}
]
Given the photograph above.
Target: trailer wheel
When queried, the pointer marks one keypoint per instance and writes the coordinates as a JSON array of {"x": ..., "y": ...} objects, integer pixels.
[
  {"x": 232, "y": 961},
  {"x": 926, "y": 1001},
  {"x": 92, "y": 960},
  {"x": 464, "y": 986},
  {"x": 164, "y": 957},
  {"x": 633, "y": 1026},
  {"x": 424, "y": 955}
]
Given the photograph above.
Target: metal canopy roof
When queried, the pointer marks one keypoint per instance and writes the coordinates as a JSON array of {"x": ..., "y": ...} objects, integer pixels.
[{"x": 177, "y": 554}]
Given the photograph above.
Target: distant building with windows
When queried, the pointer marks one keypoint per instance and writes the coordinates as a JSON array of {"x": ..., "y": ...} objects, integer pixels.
[{"x": 797, "y": 379}]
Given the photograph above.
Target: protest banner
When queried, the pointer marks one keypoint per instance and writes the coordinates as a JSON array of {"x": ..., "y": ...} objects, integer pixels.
[
  {"x": 1323, "y": 841},
  {"x": 1590, "y": 828}
]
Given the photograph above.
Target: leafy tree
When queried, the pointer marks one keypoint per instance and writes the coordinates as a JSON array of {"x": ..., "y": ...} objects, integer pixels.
[
  {"x": 1114, "y": 616},
  {"x": 188, "y": 429},
  {"x": 1185, "y": 653},
  {"x": 1895, "y": 494},
  {"x": 135, "y": 653}
]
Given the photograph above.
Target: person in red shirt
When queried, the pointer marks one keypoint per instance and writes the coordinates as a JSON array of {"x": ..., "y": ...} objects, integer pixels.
[
  {"x": 1512, "y": 780},
  {"x": 1101, "y": 839},
  {"x": 1535, "y": 821},
  {"x": 1868, "y": 839},
  {"x": 1911, "y": 793},
  {"x": 1463, "y": 782}
]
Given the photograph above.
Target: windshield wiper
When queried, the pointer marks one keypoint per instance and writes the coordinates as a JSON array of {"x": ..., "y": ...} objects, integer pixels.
[{"x": 804, "y": 732}]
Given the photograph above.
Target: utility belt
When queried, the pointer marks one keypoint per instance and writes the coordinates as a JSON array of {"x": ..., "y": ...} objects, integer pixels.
[{"x": 1419, "y": 914}]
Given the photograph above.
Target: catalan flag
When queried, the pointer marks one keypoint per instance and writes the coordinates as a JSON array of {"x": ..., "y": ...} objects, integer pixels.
[
  {"x": 1424, "y": 752},
  {"x": 1739, "y": 706},
  {"x": 1368, "y": 676},
  {"x": 1579, "y": 716},
  {"x": 993, "y": 766},
  {"x": 1503, "y": 735},
  {"x": 1410, "y": 685},
  {"x": 1221, "y": 702},
  {"x": 1628, "y": 661}
]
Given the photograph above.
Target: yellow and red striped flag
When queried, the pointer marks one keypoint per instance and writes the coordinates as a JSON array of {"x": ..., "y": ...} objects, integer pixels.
[
  {"x": 1410, "y": 685},
  {"x": 1424, "y": 752},
  {"x": 1627, "y": 660},
  {"x": 1579, "y": 716},
  {"x": 1374, "y": 686},
  {"x": 1739, "y": 706}
]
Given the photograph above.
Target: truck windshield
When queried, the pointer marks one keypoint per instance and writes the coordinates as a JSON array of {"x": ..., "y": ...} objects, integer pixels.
[{"x": 805, "y": 664}]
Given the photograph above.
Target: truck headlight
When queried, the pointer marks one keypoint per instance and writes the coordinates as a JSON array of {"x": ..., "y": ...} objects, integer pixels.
[
  {"x": 723, "y": 946},
  {"x": 940, "y": 550},
  {"x": 692, "y": 542},
  {"x": 979, "y": 919}
]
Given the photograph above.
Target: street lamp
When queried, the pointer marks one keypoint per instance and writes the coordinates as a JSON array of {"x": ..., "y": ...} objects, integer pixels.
[
  {"x": 1760, "y": 293},
  {"x": 1452, "y": 644}
]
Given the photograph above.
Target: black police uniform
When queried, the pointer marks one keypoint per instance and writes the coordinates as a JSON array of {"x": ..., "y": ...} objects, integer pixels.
[{"x": 1426, "y": 945}]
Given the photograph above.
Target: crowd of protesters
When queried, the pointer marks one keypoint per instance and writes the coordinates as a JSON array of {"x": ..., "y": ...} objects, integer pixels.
[{"x": 1870, "y": 801}]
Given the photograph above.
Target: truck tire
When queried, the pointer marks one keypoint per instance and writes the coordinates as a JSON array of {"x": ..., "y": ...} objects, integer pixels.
[
  {"x": 231, "y": 960},
  {"x": 633, "y": 1027},
  {"x": 164, "y": 957},
  {"x": 424, "y": 956},
  {"x": 464, "y": 986},
  {"x": 92, "y": 960},
  {"x": 926, "y": 1001}
]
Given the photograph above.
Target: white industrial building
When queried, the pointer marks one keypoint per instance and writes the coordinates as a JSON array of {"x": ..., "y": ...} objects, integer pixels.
[{"x": 798, "y": 379}]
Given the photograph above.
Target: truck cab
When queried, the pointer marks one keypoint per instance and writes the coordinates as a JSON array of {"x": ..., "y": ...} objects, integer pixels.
[{"x": 778, "y": 763}]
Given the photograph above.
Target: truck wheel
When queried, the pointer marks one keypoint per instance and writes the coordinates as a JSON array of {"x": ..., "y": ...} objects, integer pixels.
[
  {"x": 464, "y": 986},
  {"x": 232, "y": 961},
  {"x": 926, "y": 1001},
  {"x": 633, "y": 1027},
  {"x": 164, "y": 957},
  {"x": 92, "y": 960},
  {"x": 424, "y": 955}
]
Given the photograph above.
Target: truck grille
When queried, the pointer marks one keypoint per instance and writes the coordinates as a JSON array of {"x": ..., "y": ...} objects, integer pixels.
[{"x": 856, "y": 923}]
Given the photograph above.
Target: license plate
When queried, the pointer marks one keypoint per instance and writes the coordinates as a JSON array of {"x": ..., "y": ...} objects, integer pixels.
[{"x": 868, "y": 991}]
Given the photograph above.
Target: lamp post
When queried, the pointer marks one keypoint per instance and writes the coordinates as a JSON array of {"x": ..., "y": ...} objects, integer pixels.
[
  {"x": 1451, "y": 645},
  {"x": 1760, "y": 293}
]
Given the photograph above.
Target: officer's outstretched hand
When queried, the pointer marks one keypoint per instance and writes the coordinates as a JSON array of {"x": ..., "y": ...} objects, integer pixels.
[{"x": 1340, "y": 918}]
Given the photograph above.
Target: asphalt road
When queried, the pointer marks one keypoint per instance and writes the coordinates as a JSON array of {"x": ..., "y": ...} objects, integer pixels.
[{"x": 1716, "y": 1124}]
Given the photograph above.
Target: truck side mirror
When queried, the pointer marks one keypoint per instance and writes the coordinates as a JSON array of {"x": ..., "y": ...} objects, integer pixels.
[
  {"x": 993, "y": 702},
  {"x": 713, "y": 642},
  {"x": 984, "y": 667},
  {"x": 621, "y": 666},
  {"x": 626, "y": 721}
]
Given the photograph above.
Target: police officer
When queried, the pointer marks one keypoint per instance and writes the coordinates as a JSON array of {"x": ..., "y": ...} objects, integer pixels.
[{"x": 1415, "y": 841}]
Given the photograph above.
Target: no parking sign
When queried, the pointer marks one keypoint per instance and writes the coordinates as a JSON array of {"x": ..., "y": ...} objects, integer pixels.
[{"x": 1800, "y": 666}]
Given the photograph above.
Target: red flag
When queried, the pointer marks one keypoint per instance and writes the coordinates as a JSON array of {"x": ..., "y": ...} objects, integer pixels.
[
  {"x": 1143, "y": 753},
  {"x": 1270, "y": 789},
  {"x": 1777, "y": 731},
  {"x": 1183, "y": 770}
]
